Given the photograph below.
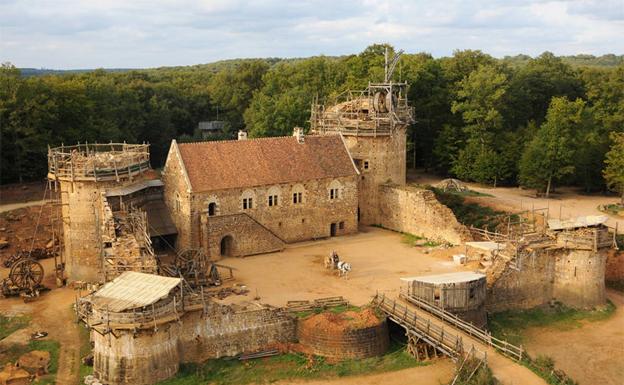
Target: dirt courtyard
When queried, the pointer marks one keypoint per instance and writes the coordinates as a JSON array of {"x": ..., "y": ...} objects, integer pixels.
[{"x": 378, "y": 258}]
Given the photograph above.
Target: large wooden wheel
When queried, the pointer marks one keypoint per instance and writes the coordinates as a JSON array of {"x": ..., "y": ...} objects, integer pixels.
[{"x": 26, "y": 274}]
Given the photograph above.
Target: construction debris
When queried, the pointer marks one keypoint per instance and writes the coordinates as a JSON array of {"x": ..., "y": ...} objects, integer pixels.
[
  {"x": 36, "y": 362},
  {"x": 451, "y": 184}
]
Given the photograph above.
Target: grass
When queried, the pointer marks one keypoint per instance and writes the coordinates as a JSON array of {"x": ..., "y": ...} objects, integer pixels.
[
  {"x": 288, "y": 367},
  {"x": 511, "y": 325},
  {"x": 15, "y": 351},
  {"x": 472, "y": 214},
  {"x": 9, "y": 325},
  {"x": 85, "y": 349},
  {"x": 482, "y": 376},
  {"x": 613, "y": 209},
  {"x": 336, "y": 310},
  {"x": 416, "y": 240}
]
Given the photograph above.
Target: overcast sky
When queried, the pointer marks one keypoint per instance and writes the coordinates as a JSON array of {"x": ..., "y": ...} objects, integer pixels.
[{"x": 64, "y": 34}]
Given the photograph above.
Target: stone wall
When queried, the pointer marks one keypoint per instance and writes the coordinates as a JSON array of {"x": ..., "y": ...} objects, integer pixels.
[
  {"x": 386, "y": 160},
  {"x": 226, "y": 333},
  {"x": 573, "y": 277},
  {"x": 247, "y": 237},
  {"x": 416, "y": 211},
  {"x": 177, "y": 196},
  {"x": 144, "y": 357},
  {"x": 289, "y": 221},
  {"x": 579, "y": 278},
  {"x": 148, "y": 356},
  {"x": 529, "y": 287}
]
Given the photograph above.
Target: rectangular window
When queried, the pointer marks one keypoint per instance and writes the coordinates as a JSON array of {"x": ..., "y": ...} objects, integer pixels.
[
  {"x": 341, "y": 225},
  {"x": 333, "y": 193},
  {"x": 297, "y": 198},
  {"x": 365, "y": 165},
  {"x": 247, "y": 203},
  {"x": 272, "y": 200}
]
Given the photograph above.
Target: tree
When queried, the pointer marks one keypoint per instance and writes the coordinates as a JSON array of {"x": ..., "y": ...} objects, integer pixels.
[
  {"x": 614, "y": 165},
  {"x": 550, "y": 155},
  {"x": 479, "y": 100}
]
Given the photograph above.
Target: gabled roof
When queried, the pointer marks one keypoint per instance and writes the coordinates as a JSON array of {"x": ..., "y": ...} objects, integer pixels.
[
  {"x": 457, "y": 277},
  {"x": 133, "y": 290},
  {"x": 220, "y": 165}
]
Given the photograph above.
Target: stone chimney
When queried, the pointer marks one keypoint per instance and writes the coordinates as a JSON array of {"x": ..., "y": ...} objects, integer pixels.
[
  {"x": 242, "y": 135},
  {"x": 298, "y": 133}
]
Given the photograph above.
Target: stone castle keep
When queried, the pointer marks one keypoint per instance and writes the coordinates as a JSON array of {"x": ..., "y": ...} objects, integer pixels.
[{"x": 249, "y": 196}]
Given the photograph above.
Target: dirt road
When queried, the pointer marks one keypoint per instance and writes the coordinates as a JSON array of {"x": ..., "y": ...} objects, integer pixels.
[
  {"x": 567, "y": 202},
  {"x": 591, "y": 354},
  {"x": 52, "y": 313}
]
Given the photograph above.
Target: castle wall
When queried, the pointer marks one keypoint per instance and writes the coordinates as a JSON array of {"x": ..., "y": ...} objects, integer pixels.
[
  {"x": 572, "y": 277},
  {"x": 147, "y": 356},
  {"x": 144, "y": 357},
  {"x": 417, "y": 211},
  {"x": 579, "y": 278},
  {"x": 177, "y": 196},
  {"x": 529, "y": 287},
  {"x": 247, "y": 236},
  {"x": 288, "y": 221},
  {"x": 226, "y": 333},
  {"x": 386, "y": 157}
]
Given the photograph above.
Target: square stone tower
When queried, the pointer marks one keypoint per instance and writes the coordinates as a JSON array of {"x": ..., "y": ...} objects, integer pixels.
[{"x": 373, "y": 124}]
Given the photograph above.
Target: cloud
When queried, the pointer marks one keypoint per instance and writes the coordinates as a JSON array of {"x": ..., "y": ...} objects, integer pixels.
[{"x": 139, "y": 33}]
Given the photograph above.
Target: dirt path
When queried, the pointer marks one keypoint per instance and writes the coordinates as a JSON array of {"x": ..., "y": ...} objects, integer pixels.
[
  {"x": 439, "y": 372},
  {"x": 52, "y": 313},
  {"x": 15, "y": 206},
  {"x": 591, "y": 354},
  {"x": 567, "y": 201}
]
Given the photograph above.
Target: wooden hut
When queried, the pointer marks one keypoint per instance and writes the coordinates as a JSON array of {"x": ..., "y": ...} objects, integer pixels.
[{"x": 462, "y": 293}]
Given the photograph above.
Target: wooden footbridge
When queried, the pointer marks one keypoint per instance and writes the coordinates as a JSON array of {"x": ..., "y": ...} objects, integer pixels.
[{"x": 456, "y": 338}]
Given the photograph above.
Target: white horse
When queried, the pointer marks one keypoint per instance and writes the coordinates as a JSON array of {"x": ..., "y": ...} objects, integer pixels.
[{"x": 344, "y": 268}]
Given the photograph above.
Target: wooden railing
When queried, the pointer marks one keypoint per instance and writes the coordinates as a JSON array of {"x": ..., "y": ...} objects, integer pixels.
[
  {"x": 444, "y": 340},
  {"x": 503, "y": 346}
]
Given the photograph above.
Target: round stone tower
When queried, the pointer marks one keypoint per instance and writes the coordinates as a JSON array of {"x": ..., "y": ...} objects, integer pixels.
[
  {"x": 81, "y": 174},
  {"x": 373, "y": 125}
]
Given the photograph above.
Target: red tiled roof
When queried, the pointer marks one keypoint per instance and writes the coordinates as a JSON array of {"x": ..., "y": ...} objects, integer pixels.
[{"x": 220, "y": 165}]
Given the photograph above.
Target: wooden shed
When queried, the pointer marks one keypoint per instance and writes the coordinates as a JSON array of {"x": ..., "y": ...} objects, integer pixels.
[{"x": 462, "y": 293}]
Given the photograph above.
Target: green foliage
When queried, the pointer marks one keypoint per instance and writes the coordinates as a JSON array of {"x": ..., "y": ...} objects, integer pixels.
[
  {"x": 288, "y": 367},
  {"x": 470, "y": 214},
  {"x": 550, "y": 155},
  {"x": 473, "y": 372},
  {"x": 474, "y": 114},
  {"x": 511, "y": 325},
  {"x": 9, "y": 325},
  {"x": 614, "y": 164}
]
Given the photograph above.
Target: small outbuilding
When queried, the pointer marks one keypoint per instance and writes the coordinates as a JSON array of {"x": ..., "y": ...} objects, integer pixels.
[{"x": 462, "y": 293}]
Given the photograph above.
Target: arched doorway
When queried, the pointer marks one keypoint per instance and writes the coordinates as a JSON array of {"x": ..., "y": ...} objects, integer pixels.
[{"x": 227, "y": 244}]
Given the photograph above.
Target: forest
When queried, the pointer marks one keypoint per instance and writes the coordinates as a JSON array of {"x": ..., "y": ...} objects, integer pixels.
[{"x": 538, "y": 122}]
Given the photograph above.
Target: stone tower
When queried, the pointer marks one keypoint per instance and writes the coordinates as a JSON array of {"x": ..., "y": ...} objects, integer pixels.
[
  {"x": 82, "y": 174},
  {"x": 373, "y": 124}
]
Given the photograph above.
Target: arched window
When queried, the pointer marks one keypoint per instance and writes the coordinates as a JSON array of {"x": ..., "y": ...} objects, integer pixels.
[
  {"x": 334, "y": 190},
  {"x": 298, "y": 194},
  {"x": 212, "y": 209},
  {"x": 273, "y": 198},
  {"x": 248, "y": 200},
  {"x": 211, "y": 206}
]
